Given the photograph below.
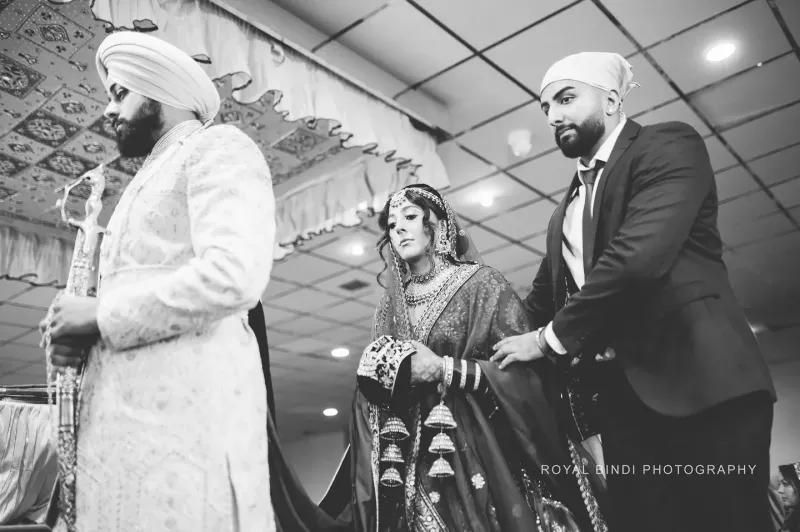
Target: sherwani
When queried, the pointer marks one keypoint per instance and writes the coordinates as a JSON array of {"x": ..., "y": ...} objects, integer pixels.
[{"x": 172, "y": 427}]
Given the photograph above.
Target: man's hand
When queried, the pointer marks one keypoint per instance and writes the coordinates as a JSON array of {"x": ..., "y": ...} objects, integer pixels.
[
  {"x": 72, "y": 316},
  {"x": 70, "y": 351},
  {"x": 426, "y": 366},
  {"x": 522, "y": 348}
]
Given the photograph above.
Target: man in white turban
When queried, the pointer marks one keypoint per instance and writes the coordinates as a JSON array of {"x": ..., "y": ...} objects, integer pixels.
[
  {"x": 634, "y": 269},
  {"x": 172, "y": 426}
]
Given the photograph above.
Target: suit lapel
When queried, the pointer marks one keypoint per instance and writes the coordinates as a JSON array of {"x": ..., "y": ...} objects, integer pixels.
[
  {"x": 626, "y": 138},
  {"x": 554, "y": 241}
]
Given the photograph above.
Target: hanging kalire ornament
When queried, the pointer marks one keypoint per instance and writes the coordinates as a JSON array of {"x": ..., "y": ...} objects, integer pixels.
[
  {"x": 441, "y": 418},
  {"x": 393, "y": 430}
]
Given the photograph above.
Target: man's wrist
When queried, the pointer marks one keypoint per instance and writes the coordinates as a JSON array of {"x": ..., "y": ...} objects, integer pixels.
[{"x": 541, "y": 342}]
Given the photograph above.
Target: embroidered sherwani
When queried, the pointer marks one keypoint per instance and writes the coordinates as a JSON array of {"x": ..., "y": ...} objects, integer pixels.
[{"x": 172, "y": 427}]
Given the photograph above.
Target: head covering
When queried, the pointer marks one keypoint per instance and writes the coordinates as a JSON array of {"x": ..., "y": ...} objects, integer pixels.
[
  {"x": 393, "y": 318},
  {"x": 158, "y": 70},
  {"x": 607, "y": 71}
]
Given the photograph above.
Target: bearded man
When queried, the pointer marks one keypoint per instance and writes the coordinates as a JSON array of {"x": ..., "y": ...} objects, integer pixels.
[
  {"x": 172, "y": 432},
  {"x": 634, "y": 264}
]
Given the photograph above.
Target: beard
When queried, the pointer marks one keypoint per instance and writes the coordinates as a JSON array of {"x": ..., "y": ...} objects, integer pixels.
[
  {"x": 585, "y": 136},
  {"x": 136, "y": 137}
]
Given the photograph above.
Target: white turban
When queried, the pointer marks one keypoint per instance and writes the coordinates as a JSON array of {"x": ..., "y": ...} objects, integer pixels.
[
  {"x": 603, "y": 70},
  {"x": 158, "y": 70}
]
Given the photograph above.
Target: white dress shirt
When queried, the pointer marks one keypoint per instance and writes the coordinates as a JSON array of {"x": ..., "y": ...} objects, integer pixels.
[{"x": 573, "y": 224}]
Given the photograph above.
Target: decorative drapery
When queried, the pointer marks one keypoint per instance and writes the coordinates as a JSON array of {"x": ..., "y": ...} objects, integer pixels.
[
  {"x": 399, "y": 153},
  {"x": 39, "y": 260}
]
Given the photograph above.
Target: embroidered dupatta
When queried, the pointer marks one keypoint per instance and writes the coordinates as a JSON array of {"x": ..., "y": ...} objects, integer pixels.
[{"x": 506, "y": 443}]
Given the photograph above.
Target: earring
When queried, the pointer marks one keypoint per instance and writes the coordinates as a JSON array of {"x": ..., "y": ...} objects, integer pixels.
[{"x": 442, "y": 240}]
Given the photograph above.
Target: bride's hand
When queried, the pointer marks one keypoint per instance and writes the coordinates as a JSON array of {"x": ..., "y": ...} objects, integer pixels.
[{"x": 426, "y": 366}]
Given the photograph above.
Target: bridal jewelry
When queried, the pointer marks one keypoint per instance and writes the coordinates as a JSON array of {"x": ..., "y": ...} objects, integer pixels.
[{"x": 423, "y": 288}]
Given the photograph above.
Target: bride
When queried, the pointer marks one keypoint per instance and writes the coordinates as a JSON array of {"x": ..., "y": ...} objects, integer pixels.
[{"x": 441, "y": 438}]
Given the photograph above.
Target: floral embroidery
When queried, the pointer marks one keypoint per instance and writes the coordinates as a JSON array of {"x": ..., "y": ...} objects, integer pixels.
[{"x": 477, "y": 481}]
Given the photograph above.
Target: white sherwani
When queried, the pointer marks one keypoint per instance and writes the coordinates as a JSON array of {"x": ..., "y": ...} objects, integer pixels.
[{"x": 172, "y": 432}]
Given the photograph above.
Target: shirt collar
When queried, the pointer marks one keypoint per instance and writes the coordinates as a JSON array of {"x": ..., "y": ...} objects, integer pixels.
[{"x": 605, "y": 150}]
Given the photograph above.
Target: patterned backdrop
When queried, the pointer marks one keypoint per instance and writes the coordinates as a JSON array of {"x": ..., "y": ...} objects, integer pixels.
[{"x": 52, "y": 127}]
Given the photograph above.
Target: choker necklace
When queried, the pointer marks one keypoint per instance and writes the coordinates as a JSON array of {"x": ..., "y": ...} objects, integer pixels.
[{"x": 425, "y": 278}]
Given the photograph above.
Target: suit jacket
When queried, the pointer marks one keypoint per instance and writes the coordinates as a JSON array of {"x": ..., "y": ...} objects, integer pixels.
[{"x": 658, "y": 291}]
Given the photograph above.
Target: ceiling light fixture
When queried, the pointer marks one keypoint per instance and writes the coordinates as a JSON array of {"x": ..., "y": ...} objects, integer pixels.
[
  {"x": 362, "y": 206},
  {"x": 486, "y": 200},
  {"x": 357, "y": 250},
  {"x": 340, "y": 352},
  {"x": 720, "y": 51},
  {"x": 330, "y": 412},
  {"x": 520, "y": 142}
]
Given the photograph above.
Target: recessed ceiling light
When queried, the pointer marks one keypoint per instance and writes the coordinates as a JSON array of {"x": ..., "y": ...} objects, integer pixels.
[
  {"x": 486, "y": 200},
  {"x": 520, "y": 142},
  {"x": 340, "y": 352},
  {"x": 357, "y": 250},
  {"x": 362, "y": 206},
  {"x": 720, "y": 51},
  {"x": 330, "y": 412}
]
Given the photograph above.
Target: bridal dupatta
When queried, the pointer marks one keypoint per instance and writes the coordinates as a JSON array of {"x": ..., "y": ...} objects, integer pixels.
[{"x": 506, "y": 443}]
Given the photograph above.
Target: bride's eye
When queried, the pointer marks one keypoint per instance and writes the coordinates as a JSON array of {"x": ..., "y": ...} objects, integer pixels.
[{"x": 410, "y": 217}]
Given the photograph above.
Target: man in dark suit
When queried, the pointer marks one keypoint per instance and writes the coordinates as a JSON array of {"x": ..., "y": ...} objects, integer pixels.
[{"x": 634, "y": 263}]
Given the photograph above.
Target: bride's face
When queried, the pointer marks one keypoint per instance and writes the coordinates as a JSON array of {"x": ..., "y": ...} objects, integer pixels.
[{"x": 407, "y": 231}]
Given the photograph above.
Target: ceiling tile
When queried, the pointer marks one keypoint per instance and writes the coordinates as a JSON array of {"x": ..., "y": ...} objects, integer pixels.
[
  {"x": 752, "y": 93},
  {"x": 309, "y": 344},
  {"x": 654, "y": 89},
  {"x": 539, "y": 242},
  {"x": 327, "y": 16},
  {"x": 790, "y": 10},
  {"x": 346, "y": 249},
  {"x": 429, "y": 51},
  {"x": 509, "y": 258},
  {"x": 528, "y": 55},
  {"x": 305, "y": 269},
  {"x": 504, "y": 191},
  {"x": 14, "y": 315},
  {"x": 9, "y": 289},
  {"x": 548, "y": 173},
  {"x": 734, "y": 182},
  {"x": 677, "y": 110},
  {"x": 29, "y": 376},
  {"x": 41, "y": 296},
  {"x": 359, "y": 68},
  {"x": 274, "y": 316},
  {"x": 9, "y": 332},
  {"x": 483, "y": 239},
  {"x": 752, "y": 29},
  {"x": 491, "y": 140},
  {"x": 277, "y": 338},
  {"x": 350, "y": 312},
  {"x": 334, "y": 284},
  {"x": 462, "y": 167},
  {"x": 768, "y": 226},
  {"x": 743, "y": 211},
  {"x": 482, "y": 23},
  {"x": 766, "y": 134},
  {"x": 523, "y": 222},
  {"x": 342, "y": 336},
  {"x": 655, "y": 20},
  {"x": 306, "y": 326},
  {"x": 787, "y": 193},
  {"x": 304, "y": 300},
  {"x": 474, "y": 91},
  {"x": 778, "y": 166},
  {"x": 32, "y": 339},
  {"x": 720, "y": 155},
  {"x": 25, "y": 353},
  {"x": 276, "y": 288}
]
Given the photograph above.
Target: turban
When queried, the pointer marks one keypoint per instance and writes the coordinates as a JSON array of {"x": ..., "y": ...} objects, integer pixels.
[
  {"x": 607, "y": 71},
  {"x": 158, "y": 70}
]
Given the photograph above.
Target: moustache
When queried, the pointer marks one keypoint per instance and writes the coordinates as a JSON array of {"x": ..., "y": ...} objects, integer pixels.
[{"x": 562, "y": 129}]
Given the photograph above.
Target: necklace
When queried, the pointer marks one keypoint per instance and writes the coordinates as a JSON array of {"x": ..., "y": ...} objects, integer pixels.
[
  {"x": 424, "y": 288},
  {"x": 425, "y": 278}
]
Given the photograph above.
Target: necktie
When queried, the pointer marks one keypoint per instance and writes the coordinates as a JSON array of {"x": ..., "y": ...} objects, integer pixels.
[{"x": 589, "y": 177}]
